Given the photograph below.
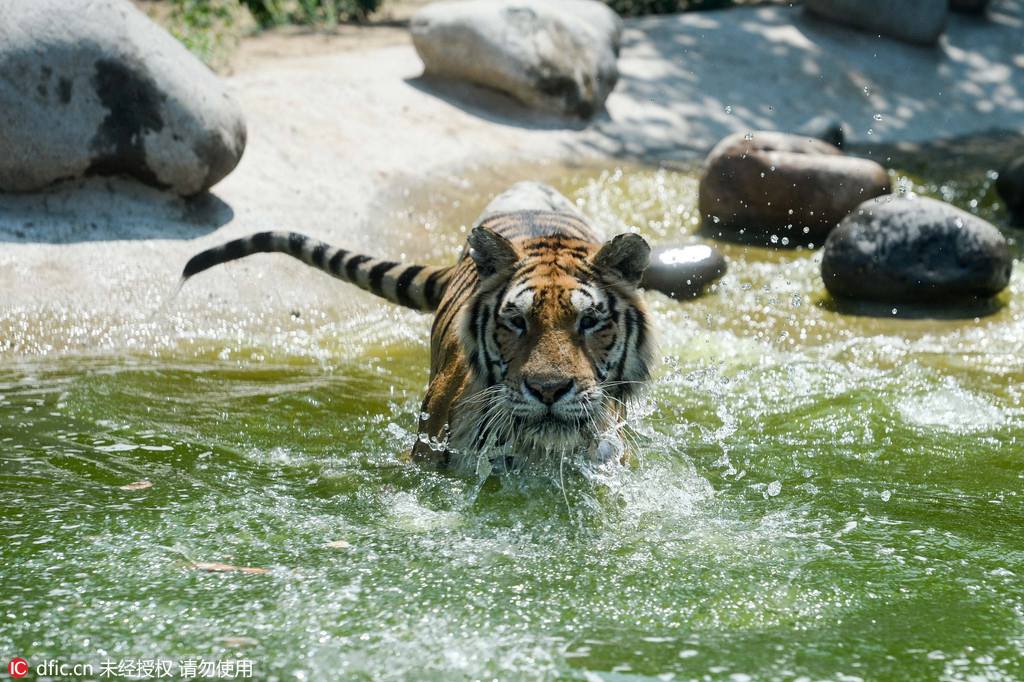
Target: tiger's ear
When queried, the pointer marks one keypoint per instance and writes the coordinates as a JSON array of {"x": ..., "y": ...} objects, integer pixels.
[
  {"x": 626, "y": 256},
  {"x": 490, "y": 251}
]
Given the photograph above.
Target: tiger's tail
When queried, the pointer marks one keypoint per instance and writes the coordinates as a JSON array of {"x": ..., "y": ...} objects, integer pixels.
[{"x": 419, "y": 287}]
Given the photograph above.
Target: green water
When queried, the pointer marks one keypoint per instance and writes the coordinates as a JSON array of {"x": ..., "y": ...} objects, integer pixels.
[{"x": 817, "y": 496}]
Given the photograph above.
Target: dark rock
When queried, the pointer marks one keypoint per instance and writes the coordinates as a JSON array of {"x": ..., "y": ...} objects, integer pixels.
[
  {"x": 1010, "y": 187},
  {"x": 93, "y": 87},
  {"x": 756, "y": 186},
  {"x": 826, "y": 129},
  {"x": 914, "y": 250},
  {"x": 968, "y": 6},
  {"x": 914, "y": 21},
  {"x": 555, "y": 56},
  {"x": 683, "y": 271}
]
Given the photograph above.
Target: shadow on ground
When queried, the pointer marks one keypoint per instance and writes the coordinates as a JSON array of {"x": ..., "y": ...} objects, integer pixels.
[
  {"x": 106, "y": 209},
  {"x": 494, "y": 106},
  {"x": 699, "y": 76}
]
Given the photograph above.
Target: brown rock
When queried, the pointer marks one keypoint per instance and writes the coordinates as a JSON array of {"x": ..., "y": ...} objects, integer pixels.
[{"x": 756, "y": 186}]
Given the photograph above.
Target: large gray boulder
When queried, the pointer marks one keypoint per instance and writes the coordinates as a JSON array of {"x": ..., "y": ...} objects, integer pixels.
[
  {"x": 914, "y": 21},
  {"x": 93, "y": 87},
  {"x": 909, "y": 250},
  {"x": 555, "y": 55},
  {"x": 765, "y": 184}
]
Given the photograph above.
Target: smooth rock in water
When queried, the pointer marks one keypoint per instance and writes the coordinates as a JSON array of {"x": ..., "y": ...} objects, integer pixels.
[
  {"x": 756, "y": 186},
  {"x": 915, "y": 250},
  {"x": 683, "y": 271},
  {"x": 555, "y": 56},
  {"x": 914, "y": 21},
  {"x": 1010, "y": 187},
  {"x": 93, "y": 87}
]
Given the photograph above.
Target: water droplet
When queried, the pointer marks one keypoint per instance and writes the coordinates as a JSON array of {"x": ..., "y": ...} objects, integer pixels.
[
  {"x": 871, "y": 131},
  {"x": 774, "y": 488},
  {"x": 749, "y": 136},
  {"x": 867, "y": 91},
  {"x": 894, "y": 311},
  {"x": 797, "y": 300},
  {"x": 886, "y": 494},
  {"x": 715, "y": 219},
  {"x": 785, "y": 241},
  {"x": 728, "y": 108},
  {"x": 877, "y": 117},
  {"x": 775, "y": 239}
]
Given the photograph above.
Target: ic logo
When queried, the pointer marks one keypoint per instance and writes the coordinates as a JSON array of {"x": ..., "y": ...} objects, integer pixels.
[{"x": 18, "y": 667}]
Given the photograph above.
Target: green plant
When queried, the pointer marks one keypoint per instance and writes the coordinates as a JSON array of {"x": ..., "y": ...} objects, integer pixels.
[
  {"x": 636, "y": 8},
  {"x": 206, "y": 27},
  {"x": 310, "y": 12}
]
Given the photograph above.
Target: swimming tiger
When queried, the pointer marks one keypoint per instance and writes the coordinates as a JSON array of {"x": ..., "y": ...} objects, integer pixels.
[{"x": 539, "y": 341}]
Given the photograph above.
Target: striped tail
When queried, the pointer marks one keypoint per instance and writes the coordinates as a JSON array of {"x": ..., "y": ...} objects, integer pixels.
[{"x": 419, "y": 287}]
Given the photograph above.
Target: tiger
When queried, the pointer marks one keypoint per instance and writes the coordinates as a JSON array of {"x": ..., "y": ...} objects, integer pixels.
[{"x": 540, "y": 340}]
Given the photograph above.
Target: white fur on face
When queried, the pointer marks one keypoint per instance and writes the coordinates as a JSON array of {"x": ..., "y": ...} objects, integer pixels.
[
  {"x": 520, "y": 298},
  {"x": 586, "y": 297}
]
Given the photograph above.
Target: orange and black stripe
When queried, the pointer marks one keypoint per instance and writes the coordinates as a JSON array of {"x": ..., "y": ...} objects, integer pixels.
[{"x": 420, "y": 287}]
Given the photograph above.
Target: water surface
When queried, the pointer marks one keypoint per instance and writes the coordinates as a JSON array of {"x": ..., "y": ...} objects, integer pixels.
[{"x": 817, "y": 495}]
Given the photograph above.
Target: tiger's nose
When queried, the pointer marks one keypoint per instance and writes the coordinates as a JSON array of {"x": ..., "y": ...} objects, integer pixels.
[{"x": 549, "y": 389}]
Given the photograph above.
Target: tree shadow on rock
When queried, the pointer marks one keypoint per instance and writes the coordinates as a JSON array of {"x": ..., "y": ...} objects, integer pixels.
[{"x": 107, "y": 209}]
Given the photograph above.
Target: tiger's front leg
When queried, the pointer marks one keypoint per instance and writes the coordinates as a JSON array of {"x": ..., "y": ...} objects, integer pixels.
[{"x": 438, "y": 417}]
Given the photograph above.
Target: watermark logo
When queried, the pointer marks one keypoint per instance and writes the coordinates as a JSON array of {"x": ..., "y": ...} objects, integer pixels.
[{"x": 18, "y": 667}]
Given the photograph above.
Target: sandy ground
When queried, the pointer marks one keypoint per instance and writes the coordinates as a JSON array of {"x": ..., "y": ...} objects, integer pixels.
[{"x": 347, "y": 142}]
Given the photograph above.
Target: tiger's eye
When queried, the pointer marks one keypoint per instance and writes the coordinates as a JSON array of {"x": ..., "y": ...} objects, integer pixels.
[
  {"x": 588, "y": 321},
  {"x": 517, "y": 322}
]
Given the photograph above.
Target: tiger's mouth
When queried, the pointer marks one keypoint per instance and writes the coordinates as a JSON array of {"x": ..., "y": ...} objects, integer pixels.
[
  {"x": 550, "y": 420},
  {"x": 558, "y": 427}
]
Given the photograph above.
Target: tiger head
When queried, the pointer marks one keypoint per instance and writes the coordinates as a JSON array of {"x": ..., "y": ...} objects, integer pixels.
[{"x": 556, "y": 336}]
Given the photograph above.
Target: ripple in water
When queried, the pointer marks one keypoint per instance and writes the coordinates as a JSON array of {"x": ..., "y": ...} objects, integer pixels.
[{"x": 813, "y": 497}]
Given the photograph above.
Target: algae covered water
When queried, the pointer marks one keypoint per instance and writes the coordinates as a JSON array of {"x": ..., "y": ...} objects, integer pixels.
[{"x": 816, "y": 495}]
